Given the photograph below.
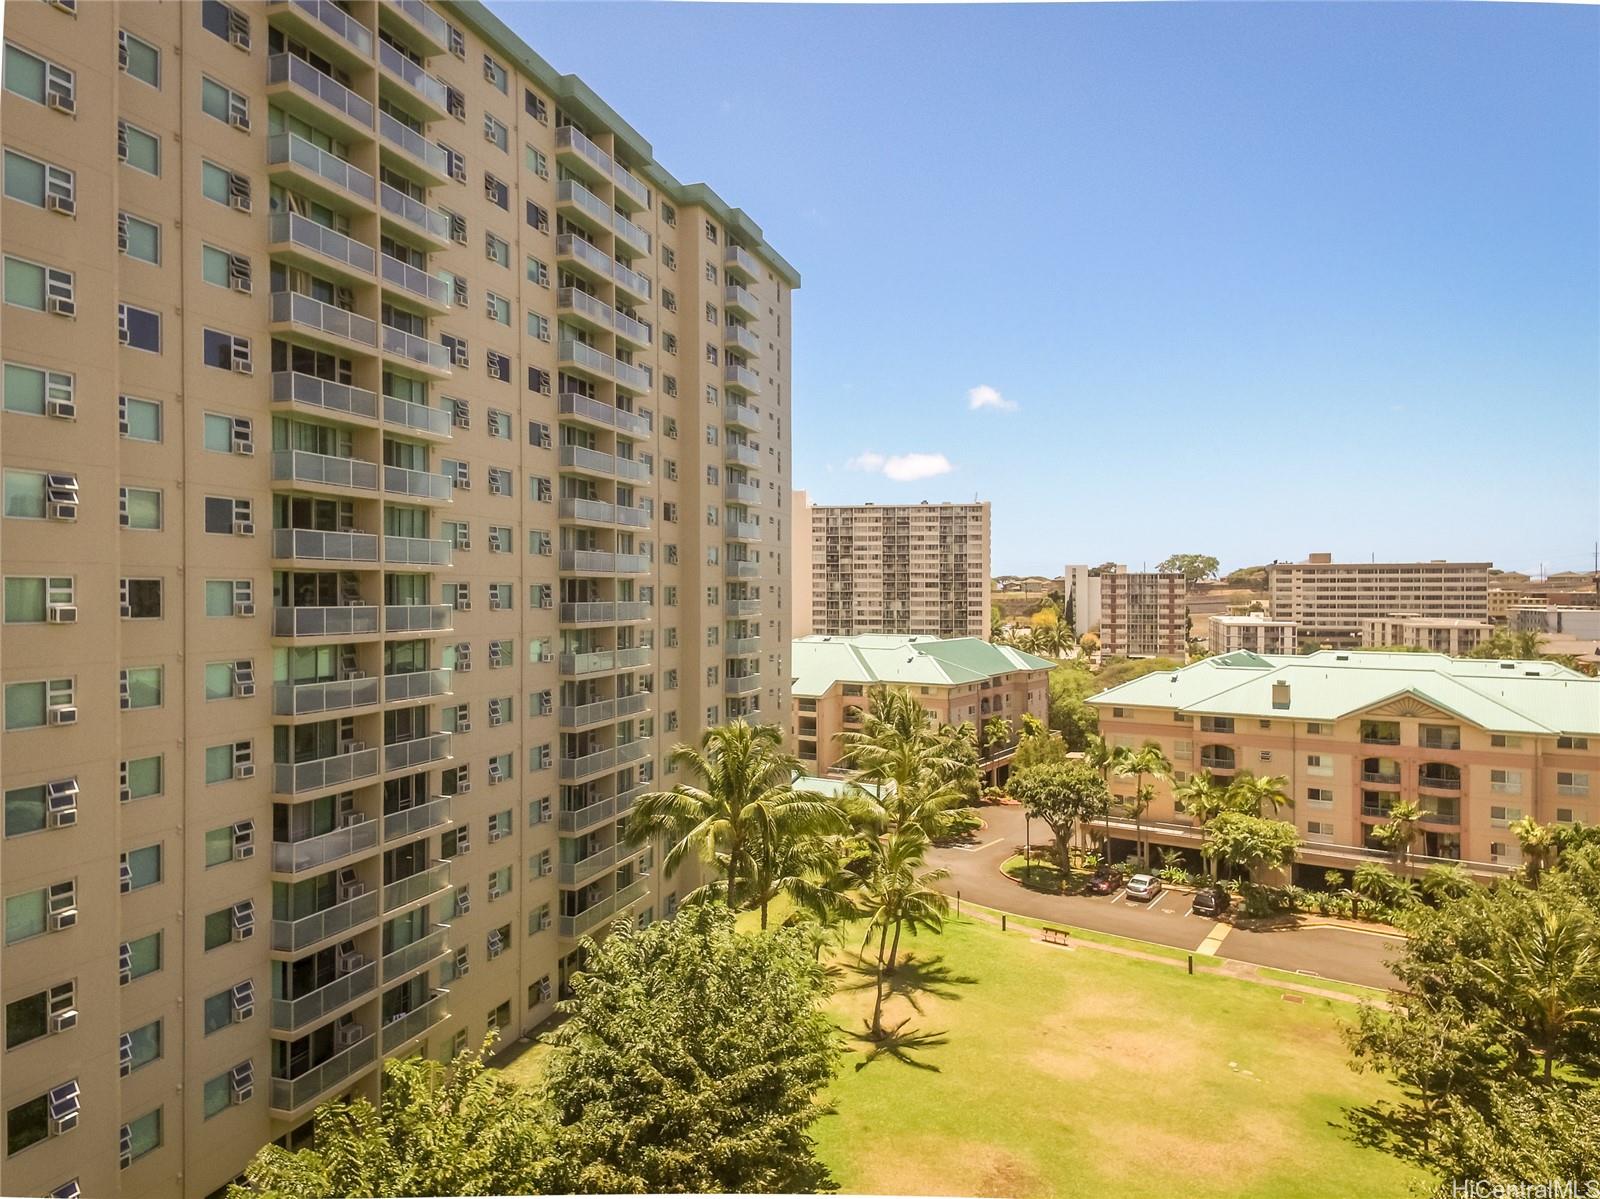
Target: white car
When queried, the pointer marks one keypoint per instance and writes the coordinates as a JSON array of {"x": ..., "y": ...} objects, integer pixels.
[{"x": 1144, "y": 887}]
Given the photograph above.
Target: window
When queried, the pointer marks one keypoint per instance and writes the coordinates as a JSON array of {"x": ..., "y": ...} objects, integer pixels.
[
  {"x": 28, "y": 704},
  {"x": 141, "y": 1046},
  {"x": 496, "y": 250},
  {"x": 535, "y": 107},
  {"x": 139, "y": 238},
  {"x": 499, "y": 308},
  {"x": 494, "y": 131},
  {"x": 711, "y": 233},
  {"x": 224, "y": 514},
  {"x": 538, "y": 326},
  {"x": 48, "y": 909},
  {"x": 29, "y": 1123},
  {"x": 499, "y": 883},
  {"x": 224, "y": 104},
  {"x": 32, "y": 78},
  {"x": 537, "y": 217},
  {"x": 495, "y": 74},
  {"x": 40, "y": 1014},
  {"x": 38, "y": 392},
  {"x": 141, "y": 687},
  {"x": 28, "y": 599},
  {"x": 236, "y": 923},
  {"x": 141, "y": 778},
  {"x": 27, "y": 810},
  {"x": 224, "y": 762},
  {"x": 225, "y": 186},
  {"x": 538, "y": 272},
  {"x": 138, "y": 58},
  {"x": 139, "y": 420},
  {"x": 140, "y": 1137},
  {"x": 499, "y": 424},
  {"x": 535, "y": 161},
  {"x": 141, "y": 868},
  {"x": 1572, "y": 743},
  {"x": 217, "y": 1095},
  {"x": 139, "y": 328},
  {"x": 141, "y": 508},
  {"x": 230, "y": 597},
  {"x": 41, "y": 184},
  {"x": 498, "y": 194},
  {"x": 539, "y": 434},
  {"x": 226, "y": 22},
  {"x": 1572, "y": 782},
  {"x": 141, "y": 149},
  {"x": 225, "y": 352},
  {"x": 140, "y": 957}
]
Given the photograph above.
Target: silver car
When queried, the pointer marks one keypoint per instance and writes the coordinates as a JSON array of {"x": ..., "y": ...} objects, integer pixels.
[{"x": 1144, "y": 887}]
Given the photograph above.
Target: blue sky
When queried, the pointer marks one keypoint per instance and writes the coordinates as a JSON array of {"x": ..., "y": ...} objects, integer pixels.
[{"x": 1247, "y": 279}]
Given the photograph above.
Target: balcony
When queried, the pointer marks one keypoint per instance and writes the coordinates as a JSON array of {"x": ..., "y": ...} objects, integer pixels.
[
  {"x": 417, "y": 752},
  {"x": 583, "y": 153},
  {"x": 585, "y": 766},
  {"x": 313, "y": 699},
  {"x": 413, "y": 957},
  {"x": 745, "y": 684},
  {"x": 288, "y": 1015},
  {"x": 418, "y": 485},
  {"x": 418, "y": 551},
  {"x": 418, "y": 618},
  {"x": 319, "y": 545},
  {"x": 295, "y": 857},
  {"x": 408, "y": 1026},
  {"x": 741, "y": 302},
  {"x": 414, "y": 217},
  {"x": 589, "y": 512},
  {"x": 586, "y": 715},
  {"x": 742, "y": 607},
  {"x": 324, "y": 397},
  {"x": 743, "y": 493},
  {"x": 740, "y": 415},
  {"x": 417, "y": 352},
  {"x": 630, "y": 234},
  {"x": 597, "y": 314},
  {"x": 590, "y": 258},
  {"x": 603, "y": 612},
  {"x": 419, "y": 420},
  {"x": 739, "y": 260},
  {"x": 631, "y": 281},
  {"x": 419, "y": 91},
  {"x": 420, "y": 24},
  {"x": 415, "y": 284},
  {"x": 597, "y": 462},
  {"x": 291, "y": 1095},
  {"x": 324, "y": 774},
  {"x": 593, "y": 662},
  {"x": 604, "y": 366},
  {"x": 313, "y": 169},
  {"x": 572, "y": 927},
  {"x": 323, "y": 23},
  {"x": 741, "y": 530},
  {"x": 302, "y": 241},
  {"x": 741, "y": 378},
  {"x": 602, "y": 562},
  {"x": 1439, "y": 780},
  {"x": 572, "y": 874},
  {"x": 741, "y": 454},
  {"x": 741, "y": 569},
  {"x": 599, "y": 412},
  {"x": 1387, "y": 777},
  {"x": 413, "y": 822},
  {"x": 350, "y": 620},
  {"x": 291, "y": 312},
  {"x": 573, "y": 195},
  {"x": 324, "y": 472},
  {"x": 636, "y": 750},
  {"x": 425, "y": 884},
  {"x": 412, "y": 685},
  {"x": 319, "y": 99},
  {"x": 410, "y": 153},
  {"x": 742, "y": 339},
  {"x": 626, "y": 799},
  {"x": 741, "y": 647},
  {"x": 587, "y": 817},
  {"x": 293, "y": 936}
]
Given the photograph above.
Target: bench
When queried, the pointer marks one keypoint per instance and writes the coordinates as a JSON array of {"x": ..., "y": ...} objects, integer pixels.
[{"x": 1054, "y": 936}]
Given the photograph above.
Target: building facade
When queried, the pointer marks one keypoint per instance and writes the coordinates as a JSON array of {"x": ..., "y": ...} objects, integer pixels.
[
  {"x": 1143, "y": 614},
  {"x": 921, "y": 569},
  {"x": 1476, "y": 743},
  {"x": 1080, "y": 592},
  {"x": 957, "y": 679},
  {"x": 434, "y": 441},
  {"x": 1253, "y": 631},
  {"x": 1329, "y": 600},
  {"x": 1439, "y": 635}
]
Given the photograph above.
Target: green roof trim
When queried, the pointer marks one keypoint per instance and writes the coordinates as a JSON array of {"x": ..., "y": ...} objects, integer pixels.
[
  {"x": 902, "y": 660},
  {"x": 577, "y": 96}
]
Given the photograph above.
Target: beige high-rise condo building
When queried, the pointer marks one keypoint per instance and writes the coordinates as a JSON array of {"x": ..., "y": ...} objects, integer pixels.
[
  {"x": 395, "y": 465},
  {"x": 891, "y": 568},
  {"x": 1329, "y": 600},
  {"x": 1252, "y": 631},
  {"x": 1437, "y": 634},
  {"x": 1143, "y": 614}
]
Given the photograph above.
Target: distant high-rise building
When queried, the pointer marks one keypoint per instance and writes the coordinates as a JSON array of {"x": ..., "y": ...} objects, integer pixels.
[
  {"x": 1082, "y": 598},
  {"x": 1330, "y": 600},
  {"x": 1142, "y": 614},
  {"x": 891, "y": 568},
  {"x": 1254, "y": 632},
  {"x": 1437, "y": 634}
]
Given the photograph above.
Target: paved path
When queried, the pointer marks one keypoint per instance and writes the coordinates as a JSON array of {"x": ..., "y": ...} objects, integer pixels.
[{"x": 1342, "y": 954}]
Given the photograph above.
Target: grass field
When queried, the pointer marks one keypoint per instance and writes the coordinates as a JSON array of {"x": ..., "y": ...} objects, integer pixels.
[{"x": 1041, "y": 1071}]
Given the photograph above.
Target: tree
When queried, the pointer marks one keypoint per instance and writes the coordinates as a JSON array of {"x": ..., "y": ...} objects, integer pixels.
[
  {"x": 1538, "y": 844},
  {"x": 1549, "y": 976},
  {"x": 1147, "y": 759},
  {"x": 1038, "y": 751},
  {"x": 1400, "y": 831},
  {"x": 1089, "y": 643},
  {"x": 895, "y": 896},
  {"x": 1203, "y": 799},
  {"x": 922, "y": 771},
  {"x": 745, "y": 806},
  {"x": 1076, "y": 720},
  {"x": 1193, "y": 567},
  {"x": 996, "y": 731},
  {"x": 1509, "y": 643},
  {"x": 440, "y": 1129},
  {"x": 1251, "y": 843},
  {"x": 1248, "y": 793},
  {"x": 1444, "y": 881},
  {"x": 692, "y": 1059},
  {"x": 1061, "y": 795}
]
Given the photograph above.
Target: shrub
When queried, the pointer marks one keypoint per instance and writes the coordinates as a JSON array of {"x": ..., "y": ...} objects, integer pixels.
[{"x": 962, "y": 822}]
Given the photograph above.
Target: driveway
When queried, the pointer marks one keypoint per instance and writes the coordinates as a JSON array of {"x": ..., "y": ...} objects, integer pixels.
[{"x": 1346, "y": 955}]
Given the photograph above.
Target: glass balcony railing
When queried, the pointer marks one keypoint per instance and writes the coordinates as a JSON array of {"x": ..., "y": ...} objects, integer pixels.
[
  {"x": 589, "y": 254},
  {"x": 743, "y": 493},
  {"x": 294, "y": 857},
  {"x": 601, "y": 561},
  {"x": 418, "y": 551},
  {"x": 302, "y": 466},
  {"x": 571, "y": 192},
  {"x": 345, "y": 621},
  {"x": 336, "y": 695},
  {"x": 398, "y": 343},
  {"x": 581, "y": 766},
  {"x": 338, "y": 399},
  {"x": 587, "y": 817},
  {"x": 739, "y": 259},
  {"x": 582, "y": 715},
  {"x": 742, "y": 339},
  {"x": 742, "y": 607},
  {"x": 418, "y": 418},
  {"x": 292, "y": 229},
  {"x": 742, "y": 530},
  {"x": 415, "y": 282},
  {"x": 291, "y": 936},
  {"x": 591, "y": 662},
  {"x": 328, "y": 91},
  {"x": 570, "y": 299},
  {"x": 333, "y": 19},
  {"x": 627, "y": 231},
  {"x": 630, "y": 280},
  {"x": 638, "y": 655},
  {"x": 412, "y": 822},
  {"x": 418, "y": 618},
  {"x": 599, "y": 462},
  {"x": 573, "y": 404},
  {"x": 738, "y": 569},
  {"x": 572, "y": 874},
  {"x": 313, "y": 316},
  {"x": 324, "y": 774},
  {"x": 741, "y": 377},
  {"x": 742, "y": 684},
  {"x": 407, "y": 1026},
  {"x": 319, "y": 545},
  {"x": 740, "y": 415},
  {"x": 745, "y": 455},
  {"x": 741, "y": 647},
  {"x": 292, "y": 1094},
  {"x": 741, "y": 300},
  {"x": 403, "y": 961},
  {"x": 626, "y": 799},
  {"x": 570, "y": 138},
  {"x": 330, "y": 168},
  {"x": 414, "y": 213},
  {"x": 291, "y": 1014},
  {"x": 422, "y": 885},
  {"x": 633, "y": 751},
  {"x": 422, "y": 85},
  {"x": 417, "y": 484},
  {"x": 415, "y": 684},
  {"x": 430, "y": 23},
  {"x": 419, "y": 751},
  {"x": 423, "y": 152}
]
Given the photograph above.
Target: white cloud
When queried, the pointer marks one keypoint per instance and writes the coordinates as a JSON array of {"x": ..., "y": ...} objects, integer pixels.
[
  {"x": 867, "y": 461},
  {"x": 984, "y": 396},
  {"x": 902, "y": 468}
]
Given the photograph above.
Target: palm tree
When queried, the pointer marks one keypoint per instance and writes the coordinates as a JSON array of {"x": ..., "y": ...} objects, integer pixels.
[
  {"x": 996, "y": 729},
  {"x": 1147, "y": 759},
  {"x": 1401, "y": 830},
  {"x": 1251, "y": 794},
  {"x": 895, "y": 896},
  {"x": 1538, "y": 845},
  {"x": 740, "y": 812},
  {"x": 1102, "y": 756},
  {"x": 1443, "y": 881},
  {"x": 1548, "y": 970},
  {"x": 1204, "y": 799},
  {"x": 920, "y": 771}
]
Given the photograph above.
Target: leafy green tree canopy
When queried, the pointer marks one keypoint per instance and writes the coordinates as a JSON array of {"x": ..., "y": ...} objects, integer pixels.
[{"x": 1193, "y": 567}]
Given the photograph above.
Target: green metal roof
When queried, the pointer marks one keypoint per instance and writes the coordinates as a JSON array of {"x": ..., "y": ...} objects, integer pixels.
[
  {"x": 902, "y": 660},
  {"x": 1502, "y": 696},
  {"x": 577, "y": 97}
]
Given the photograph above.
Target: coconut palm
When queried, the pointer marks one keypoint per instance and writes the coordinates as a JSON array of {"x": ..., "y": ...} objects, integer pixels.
[
  {"x": 1247, "y": 793},
  {"x": 918, "y": 771},
  {"x": 996, "y": 730},
  {"x": 1204, "y": 799},
  {"x": 1538, "y": 845},
  {"x": 896, "y": 895},
  {"x": 1548, "y": 970},
  {"x": 1443, "y": 881},
  {"x": 743, "y": 808},
  {"x": 1147, "y": 759},
  {"x": 1400, "y": 831}
]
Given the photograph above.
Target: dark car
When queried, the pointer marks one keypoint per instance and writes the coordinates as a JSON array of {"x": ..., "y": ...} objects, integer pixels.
[
  {"x": 1103, "y": 882},
  {"x": 1213, "y": 901}
]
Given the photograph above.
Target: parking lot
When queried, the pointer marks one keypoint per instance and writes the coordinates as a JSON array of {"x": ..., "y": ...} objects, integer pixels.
[{"x": 1341, "y": 954}]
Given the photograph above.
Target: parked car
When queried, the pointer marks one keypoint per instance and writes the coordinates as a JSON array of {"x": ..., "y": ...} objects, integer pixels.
[
  {"x": 1210, "y": 901},
  {"x": 1144, "y": 886},
  {"x": 1103, "y": 882}
]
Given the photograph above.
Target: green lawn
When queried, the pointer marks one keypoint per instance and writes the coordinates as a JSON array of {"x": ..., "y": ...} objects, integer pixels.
[{"x": 1052, "y": 1072}]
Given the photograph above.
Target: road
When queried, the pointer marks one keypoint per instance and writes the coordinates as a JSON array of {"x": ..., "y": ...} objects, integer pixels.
[{"x": 1346, "y": 955}]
